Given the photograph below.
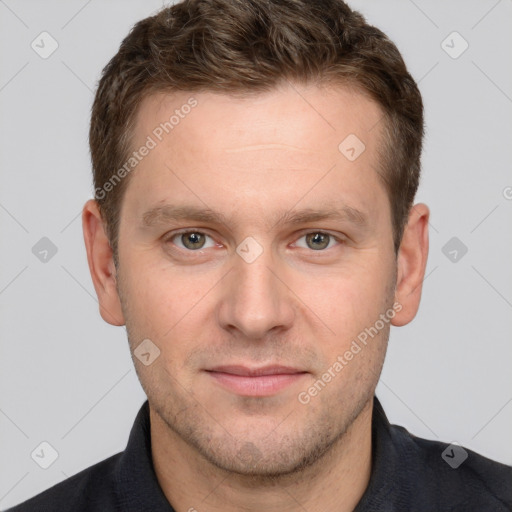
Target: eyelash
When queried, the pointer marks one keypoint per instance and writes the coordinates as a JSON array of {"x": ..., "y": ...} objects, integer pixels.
[{"x": 171, "y": 237}]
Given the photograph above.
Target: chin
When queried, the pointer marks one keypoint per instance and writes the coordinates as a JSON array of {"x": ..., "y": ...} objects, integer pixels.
[
  {"x": 249, "y": 461},
  {"x": 265, "y": 458}
]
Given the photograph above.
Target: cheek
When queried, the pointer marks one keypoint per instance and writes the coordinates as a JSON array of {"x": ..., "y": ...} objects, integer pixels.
[
  {"x": 163, "y": 306},
  {"x": 161, "y": 300},
  {"x": 351, "y": 299}
]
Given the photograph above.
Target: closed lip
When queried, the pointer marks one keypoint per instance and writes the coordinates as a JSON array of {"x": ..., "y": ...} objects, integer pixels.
[
  {"x": 246, "y": 371},
  {"x": 255, "y": 381}
]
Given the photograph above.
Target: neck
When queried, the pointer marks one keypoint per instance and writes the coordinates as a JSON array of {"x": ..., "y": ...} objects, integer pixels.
[{"x": 336, "y": 482}]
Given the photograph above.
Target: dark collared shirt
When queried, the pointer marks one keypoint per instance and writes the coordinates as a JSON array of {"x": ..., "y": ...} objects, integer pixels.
[{"x": 409, "y": 474}]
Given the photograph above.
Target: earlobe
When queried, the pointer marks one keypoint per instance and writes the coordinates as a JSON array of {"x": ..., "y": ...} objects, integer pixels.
[
  {"x": 412, "y": 261},
  {"x": 101, "y": 264}
]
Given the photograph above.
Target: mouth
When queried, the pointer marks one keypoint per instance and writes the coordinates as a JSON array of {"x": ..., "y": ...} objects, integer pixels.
[{"x": 262, "y": 381}]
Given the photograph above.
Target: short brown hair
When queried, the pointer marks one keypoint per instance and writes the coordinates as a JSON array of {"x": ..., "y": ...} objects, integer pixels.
[{"x": 252, "y": 46}]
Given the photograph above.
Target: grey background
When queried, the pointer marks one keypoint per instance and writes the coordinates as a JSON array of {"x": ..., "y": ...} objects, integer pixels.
[{"x": 66, "y": 377}]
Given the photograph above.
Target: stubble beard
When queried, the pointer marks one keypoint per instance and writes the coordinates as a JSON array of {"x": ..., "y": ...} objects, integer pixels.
[{"x": 271, "y": 459}]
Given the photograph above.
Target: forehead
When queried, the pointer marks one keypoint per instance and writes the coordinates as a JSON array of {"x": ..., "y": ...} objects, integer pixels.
[
  {"x": 301, "y": 117},
  {"x": 288, "y": 142}
]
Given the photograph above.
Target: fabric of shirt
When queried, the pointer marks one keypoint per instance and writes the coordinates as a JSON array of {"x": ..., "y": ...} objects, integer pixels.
[{"x": 409, "y": 474}]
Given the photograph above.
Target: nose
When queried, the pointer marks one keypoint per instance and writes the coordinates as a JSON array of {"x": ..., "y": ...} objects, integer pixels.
[{"x": 255, "y": 298}]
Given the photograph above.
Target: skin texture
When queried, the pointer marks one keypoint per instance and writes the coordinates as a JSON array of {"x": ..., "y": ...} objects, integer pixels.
[{"x": 252, "y": 160}]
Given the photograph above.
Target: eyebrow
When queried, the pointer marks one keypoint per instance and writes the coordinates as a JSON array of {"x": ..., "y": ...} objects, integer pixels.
[{"x": 170, "y": 213}]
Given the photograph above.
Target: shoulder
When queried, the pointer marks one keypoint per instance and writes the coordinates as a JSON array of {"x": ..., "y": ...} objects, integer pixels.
[
  {"x": 460, "y": 478},
  {"x": 93, "y": 489}
]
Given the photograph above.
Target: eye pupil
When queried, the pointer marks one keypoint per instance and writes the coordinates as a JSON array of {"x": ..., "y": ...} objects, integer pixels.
[
  {"x": 317, "y": 241},
  {"x": 193, "y": 240}
]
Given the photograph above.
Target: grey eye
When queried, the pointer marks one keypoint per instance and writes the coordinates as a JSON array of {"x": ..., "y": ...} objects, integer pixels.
[
  {"x": 192, "y": 240},
  {"x": 317, "y": 241}
]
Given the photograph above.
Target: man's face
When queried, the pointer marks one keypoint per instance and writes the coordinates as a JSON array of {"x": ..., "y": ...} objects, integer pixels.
[{"x": 269, "y": 287}]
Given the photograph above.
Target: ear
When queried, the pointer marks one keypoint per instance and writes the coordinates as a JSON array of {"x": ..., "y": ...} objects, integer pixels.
[
  {"x": 412, "y": 261},
  {"x": 101, "y": 264}
]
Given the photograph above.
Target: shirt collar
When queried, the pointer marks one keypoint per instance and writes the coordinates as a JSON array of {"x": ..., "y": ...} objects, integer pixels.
[
  {"x": 388, "y": 487},
  {"x": 136, "y": 481}
]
